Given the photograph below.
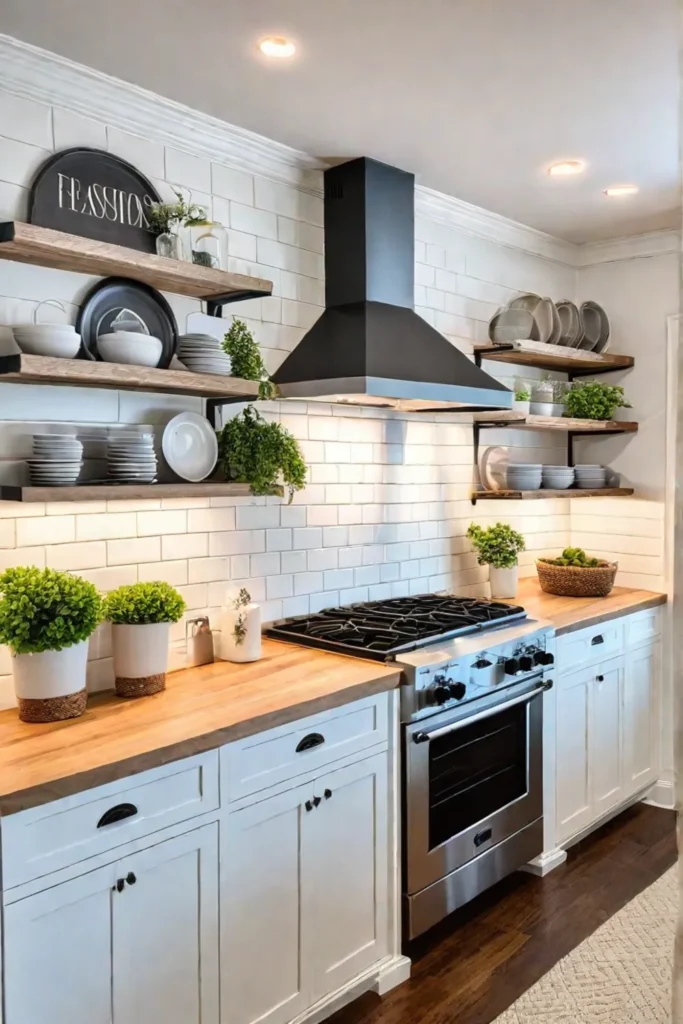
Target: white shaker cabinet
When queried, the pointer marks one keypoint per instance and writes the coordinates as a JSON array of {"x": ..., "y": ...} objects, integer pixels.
[
  {"x": 304, "y": 893},
  {"x": 642, "y": 710},
  {"x": 573, "y": 797},
  {"x": 605, "y": 753},
  {"x": 121, "y": 944}
]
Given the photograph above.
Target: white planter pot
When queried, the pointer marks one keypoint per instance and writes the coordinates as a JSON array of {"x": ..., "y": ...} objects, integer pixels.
[
  {"x": 250, "y": 648},
  {"x": 50, "y": 686},
  {"x": 503, "y": 581},
  {"x": 140, "y": 658}
]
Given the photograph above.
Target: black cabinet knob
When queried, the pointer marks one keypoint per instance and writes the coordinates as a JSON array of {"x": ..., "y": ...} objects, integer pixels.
[
  {"x": 511, "y": 667},
  {"x": 600, "y": 679},
  {"x": 308, "y": 805},
  {"x": 441, "y": 694},
  {"x": 316, "y": 801},
  {"x": 457, "y": 690},
  {"x": 120, "y": 884},
  {"x": 130, "y": 878},
  {"x": 327, "y": 794},
  {"x": 526, "y": 663}
]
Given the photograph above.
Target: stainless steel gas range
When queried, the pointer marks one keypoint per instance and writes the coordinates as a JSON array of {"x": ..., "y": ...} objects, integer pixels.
[{"x": 474, "y": 674}]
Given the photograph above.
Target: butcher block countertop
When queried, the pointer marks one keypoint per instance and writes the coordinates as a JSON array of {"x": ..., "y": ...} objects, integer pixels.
[
  {"x": 568, "y": 614},
  {"x": 202, "y": 708}
]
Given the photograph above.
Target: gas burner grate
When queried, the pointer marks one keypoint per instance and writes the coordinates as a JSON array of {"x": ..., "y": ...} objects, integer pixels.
[{"x": 381, "y": 629}]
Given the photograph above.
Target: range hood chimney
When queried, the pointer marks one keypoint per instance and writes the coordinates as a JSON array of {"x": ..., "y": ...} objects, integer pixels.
[{"x": 369, "y": 347}]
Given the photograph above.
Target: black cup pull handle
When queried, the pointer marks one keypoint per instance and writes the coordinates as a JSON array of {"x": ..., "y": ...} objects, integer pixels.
[
  {"x": 327, "y": 794},
  {"x": 117, "y": 813},
  {"x": 314, "y": 739},
  {"x": 600, "y": 679},
  {"x": 599, "y": 639},
  {"x": 308, "y": 805},
  {"x": 120, "y": 883},
  {"x": 130, "y": 878},
  {"x": 317, "y": 801}
]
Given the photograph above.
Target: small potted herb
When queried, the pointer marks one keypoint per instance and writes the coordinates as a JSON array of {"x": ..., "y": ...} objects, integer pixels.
[
  {"x": 46, "y": 619},
  {"x": 246, "y": 358},
  {"x": 498, "y": 547},
  {"x": 592, "y": 400},
  {"x": 141, "y": 615},
  {"x": 240, "y": 629},
  {"x": 522, "y": 400},
  {"x": 260, "y": 453},
  {"x": 166, "y": 221}
]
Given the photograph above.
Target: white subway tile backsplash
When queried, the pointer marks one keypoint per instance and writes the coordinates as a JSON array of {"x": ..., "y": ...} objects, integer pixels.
[
  {"x": 52, "y": 530},
  {"x": 76, "y": 557},
  {"x": 232, "y": 184},
  {"x": 19, "y": 161},
  {"x": 308, "y": 583},
  {"x": 25, "y": 120},
  {"x": 253, "y": 221},
  {"x": 71, "y": 129},
  {"x": 133, "y": 550},
  {"x": 288, "y": 201},
  {"x": 278, "y": 587},
  {"x": 110, "y": 525},
  {"x": 308, "y": 537},
  {"x": 145, "y": 155},
  {"x": 192, "y": 171},
  {"x": 184, "y": 545},
  {"x": 151, "y": 524},
  {"x": 294, "y": 561},
  {"x": 278, "y": 540}
]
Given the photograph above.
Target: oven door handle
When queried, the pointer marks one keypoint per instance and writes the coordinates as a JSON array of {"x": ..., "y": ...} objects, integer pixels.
[{"x": 525, "y": 698}]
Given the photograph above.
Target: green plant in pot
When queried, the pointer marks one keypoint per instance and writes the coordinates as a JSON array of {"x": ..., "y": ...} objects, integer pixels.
[
  {"x": 593, "y": 400},
  {"x": 166, "y": 221},
  {"x": 247, "y": 362},
  {"x": 141, "y": 615},
  {"x": 522, "y": 400},
  {"x": 260, "y": 453},
  {"x": 46, "y": 619},
  {"x": 498, "y": 547}
]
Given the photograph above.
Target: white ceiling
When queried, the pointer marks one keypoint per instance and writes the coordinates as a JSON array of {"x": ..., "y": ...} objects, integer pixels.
[{"x": 475, "y": 96}]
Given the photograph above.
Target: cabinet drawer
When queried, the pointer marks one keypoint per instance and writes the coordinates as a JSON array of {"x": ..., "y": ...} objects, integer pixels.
[
  {"x": 589, "y": 645},
  {"x": 257, "y": 762},
  {"x": 44, "y": 839},
  {"x": 642, "y": 627}
]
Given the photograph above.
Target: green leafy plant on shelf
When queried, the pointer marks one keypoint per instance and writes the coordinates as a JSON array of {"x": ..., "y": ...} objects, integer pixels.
[
  {"x": 162, "y": 216},
  {"x": 497, "y": 545},
  {"x": 575, "y": 557},
  {"x": 140, "y": 604},
  {"x": 46, "y": 610},
  {"x": 591, "y": 400},
  {"x": 247, "y": 361},
  {"x": 260, "y": 453},
  {"x": 522, "y": 395}
]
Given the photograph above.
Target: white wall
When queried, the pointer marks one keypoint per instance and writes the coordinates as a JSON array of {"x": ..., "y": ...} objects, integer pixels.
[{"x": 387, "y": 503}]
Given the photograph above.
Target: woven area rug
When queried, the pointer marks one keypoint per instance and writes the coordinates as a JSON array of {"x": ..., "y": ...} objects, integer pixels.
[{"x": 621, "y": 974}]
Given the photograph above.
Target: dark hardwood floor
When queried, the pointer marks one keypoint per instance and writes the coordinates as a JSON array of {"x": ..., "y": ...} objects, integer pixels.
[{"x": 478, "y": 962}]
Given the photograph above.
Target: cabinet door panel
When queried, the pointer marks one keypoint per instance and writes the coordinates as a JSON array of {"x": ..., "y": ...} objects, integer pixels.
[
  {"x": 605, "y": 753},
  {"x": 58, "y": 953},
  {"x": 641, "y": 717},
  {"x": 262, "y": 912},
  {"x": 166, "y": 933},
  {"x": 345, "y": 872},
  {"x": 572, "y": 776}
]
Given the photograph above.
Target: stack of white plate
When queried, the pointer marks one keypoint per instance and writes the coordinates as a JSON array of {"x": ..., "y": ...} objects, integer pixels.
[
  {"x": 57, "y": 460},
  {"x": 131, "y": 459},
  {"x": 524, "y": 476},
  {"x": 59, "y": 340},
  {"x": 590, "y": 478},
  {"x": 202, "y": 353}
]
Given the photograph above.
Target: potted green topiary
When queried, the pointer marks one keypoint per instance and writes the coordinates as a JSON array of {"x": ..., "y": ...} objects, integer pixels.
[
  {"x": 46, "y": 619},
  {"x": 498, "y": 546},
  {"x": 522, "y": 400},
  {"x": 260, "y": 453},
  {"x": 141, "y": 615},
  {"x": 592, "y": 400}
]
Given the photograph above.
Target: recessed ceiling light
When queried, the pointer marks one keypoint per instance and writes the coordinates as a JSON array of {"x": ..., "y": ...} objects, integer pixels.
[
  {"x": 621, "y": 190},
  {"x": 566, "y": 167},
  {"x": 277, "y": 46}
]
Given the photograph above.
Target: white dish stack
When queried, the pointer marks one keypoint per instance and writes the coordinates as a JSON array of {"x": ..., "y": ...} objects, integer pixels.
[
  {"x": 202, "y": 353},
  {"x": 57, "y": 460},
  {"x": 131, "y": 459},
  {"x": 590, "y": 478}
]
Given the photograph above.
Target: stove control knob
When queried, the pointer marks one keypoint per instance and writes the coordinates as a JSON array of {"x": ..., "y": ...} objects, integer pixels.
[
  {"x": 538, "y": 657},
  {"x": 526, "y": 663},
  {"x": 545, "y": 658},
  {"x": 441, "y": 694},
  {"x": 511, "y": 667},
  {"x": 457, "y": 690}
]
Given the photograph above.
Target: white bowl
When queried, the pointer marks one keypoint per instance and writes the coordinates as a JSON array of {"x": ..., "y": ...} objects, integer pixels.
[
  {"x": 129, "y": 348},
  {"x": 61, "y": 344}
]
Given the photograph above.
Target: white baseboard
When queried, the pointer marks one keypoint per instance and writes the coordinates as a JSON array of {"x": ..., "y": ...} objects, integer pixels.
[
  {"x": 392, "y": 974},
  {"x": 547, "y": 862},
  {"x": 662, "y": 795}
]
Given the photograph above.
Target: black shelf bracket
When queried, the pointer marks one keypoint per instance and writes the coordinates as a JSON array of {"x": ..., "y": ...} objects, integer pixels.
[{"x": 214, "y": 305}]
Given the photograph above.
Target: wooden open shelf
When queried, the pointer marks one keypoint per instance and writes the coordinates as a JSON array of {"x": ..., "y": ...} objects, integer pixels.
[
  {"x": 564, "y": 424},
  {"x": 574, "y": 362},
  {"x": 575, "y": 492},
  {"x": 86, "y": 373},
  {"x": 28, "y": 243},
  {"x": 102, "y": 492}
]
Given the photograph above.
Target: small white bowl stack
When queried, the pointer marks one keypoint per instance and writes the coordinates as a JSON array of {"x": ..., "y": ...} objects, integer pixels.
[
  {"x": 202, "y": 353},
  {"x": 590, "y": 478},
  {"x": 60, "y": 340},
  {"x": 57, "y": 460},
  {"x": 524, "y": 476},
  {"x": 131, "y": 459}
]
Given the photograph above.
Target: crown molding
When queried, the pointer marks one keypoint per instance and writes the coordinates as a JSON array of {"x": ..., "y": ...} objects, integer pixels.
[
  {"x": 493, "y": 227},
  {"x": 633, "y": 247},
  {"x": 38, "y": 74}
]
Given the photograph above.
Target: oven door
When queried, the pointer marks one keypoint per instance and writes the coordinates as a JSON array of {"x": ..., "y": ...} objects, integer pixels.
[{"x": 471, "y": 782}]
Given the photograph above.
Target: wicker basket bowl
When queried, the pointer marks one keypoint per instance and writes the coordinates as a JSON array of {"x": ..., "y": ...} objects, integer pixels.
[{"x": 573, "y": 581}]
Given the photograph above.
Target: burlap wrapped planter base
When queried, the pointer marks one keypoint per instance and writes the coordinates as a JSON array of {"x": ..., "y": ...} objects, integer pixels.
[
  {"x": 140, "y": 658},
  {"x": 53, "y": 709},
  {"x": 50, "y": 686},
  {"x": 575, "y": 581},
  {"x": 143, "y": 687}
]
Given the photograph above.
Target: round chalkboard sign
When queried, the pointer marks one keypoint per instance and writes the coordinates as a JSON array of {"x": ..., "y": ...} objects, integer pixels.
[{"x": 91, "y": 193}]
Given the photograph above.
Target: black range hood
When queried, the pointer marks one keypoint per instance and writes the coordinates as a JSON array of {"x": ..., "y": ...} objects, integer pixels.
[{"x": 369, "y": 347}]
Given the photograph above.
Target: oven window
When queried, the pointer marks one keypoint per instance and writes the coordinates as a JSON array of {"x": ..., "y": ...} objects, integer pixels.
[{"x": 475, "y": 771}]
